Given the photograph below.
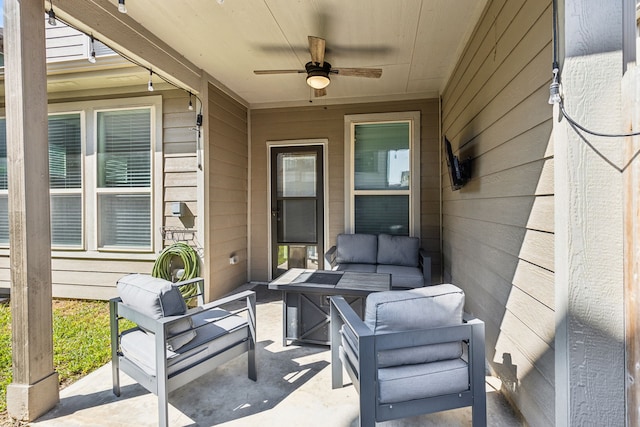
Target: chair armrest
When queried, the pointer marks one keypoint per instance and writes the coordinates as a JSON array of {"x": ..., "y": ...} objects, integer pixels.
[
  {"x": 343, "y": 315},
  {"x": 467, "y": 331},
  {"x": 122, "y": 310},
  {"x": 199, "y": 294},
  {"x": 158, "y": 326},
  {"x": 425, "y": 263},
  {"x": 349, "y": 317},
  {"x": 420, "y": 337},
  {"x": 330, "y": 257}
]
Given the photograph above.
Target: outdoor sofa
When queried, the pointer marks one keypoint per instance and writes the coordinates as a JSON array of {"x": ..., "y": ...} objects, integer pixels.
[{"x": 399, "y": 256}]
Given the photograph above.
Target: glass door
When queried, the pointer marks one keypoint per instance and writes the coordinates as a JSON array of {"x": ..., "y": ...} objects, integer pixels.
[{"x": 297, "y": 208}]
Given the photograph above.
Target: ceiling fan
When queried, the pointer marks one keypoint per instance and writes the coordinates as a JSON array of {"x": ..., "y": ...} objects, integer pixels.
[{"x": 318, "y": 70}]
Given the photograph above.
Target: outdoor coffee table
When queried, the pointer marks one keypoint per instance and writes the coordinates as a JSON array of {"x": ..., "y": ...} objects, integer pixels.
[{"x": 305, "y": 299}]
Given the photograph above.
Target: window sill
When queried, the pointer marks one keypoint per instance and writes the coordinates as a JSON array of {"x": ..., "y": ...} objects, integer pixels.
[{"x": 100, "y": 255}]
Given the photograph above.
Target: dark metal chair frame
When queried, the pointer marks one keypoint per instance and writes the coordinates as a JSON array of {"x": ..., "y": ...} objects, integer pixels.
[{"x": 363, "y": 371}]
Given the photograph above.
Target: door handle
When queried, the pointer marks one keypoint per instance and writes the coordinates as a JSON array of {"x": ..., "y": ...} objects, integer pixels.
[{"x": 275, "y": 214}]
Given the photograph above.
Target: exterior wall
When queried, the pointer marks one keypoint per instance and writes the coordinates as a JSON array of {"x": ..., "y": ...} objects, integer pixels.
[
  {"x": 89, "y": 275},
  {"x": 65, "y": 43},
  {"x": 227, "y": 208},
  {"x": 328, "y": 122},
  {"x": 589, "y": 245},
  {"x": 498, "y": 230}
]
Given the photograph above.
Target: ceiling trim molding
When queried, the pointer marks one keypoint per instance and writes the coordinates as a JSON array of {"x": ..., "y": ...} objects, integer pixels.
[{"x": 319, "y": 102}]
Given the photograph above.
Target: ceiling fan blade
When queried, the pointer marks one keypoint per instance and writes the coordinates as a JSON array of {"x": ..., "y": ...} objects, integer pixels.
[
  {"x": 316, "y": 48},
  {"x": 319, "y": 92},
  {"x": 373, "y": 73},
  {"x": 259, "y": 72}
]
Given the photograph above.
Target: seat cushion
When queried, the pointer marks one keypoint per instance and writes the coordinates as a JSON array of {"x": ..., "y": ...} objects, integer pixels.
[
  {"x": 211, "y": 338},
  {"x": 151, "y": 296},
  {"x": 422, "y": 308},
  {"x": 356, "y": 249},
  {"x": 403, "y": 277},
  {"x": 409, "y": 382},
  {"x": 398, "y": 250}
]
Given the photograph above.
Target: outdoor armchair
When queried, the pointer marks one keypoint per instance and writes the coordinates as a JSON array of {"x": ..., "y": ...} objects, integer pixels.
[
  {"x": 415, "y": 352},
  {"x": 171, "y": 346}
]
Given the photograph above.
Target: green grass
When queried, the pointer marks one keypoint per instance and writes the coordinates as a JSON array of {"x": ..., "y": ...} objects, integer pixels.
[{"x": 81, "y": 341}]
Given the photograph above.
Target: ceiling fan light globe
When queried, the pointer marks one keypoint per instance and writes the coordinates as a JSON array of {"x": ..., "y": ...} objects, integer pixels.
[{"x": 318, "y": 81}]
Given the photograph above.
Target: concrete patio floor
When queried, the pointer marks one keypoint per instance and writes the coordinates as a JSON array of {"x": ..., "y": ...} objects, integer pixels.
[{"x": 293, "y": 389}]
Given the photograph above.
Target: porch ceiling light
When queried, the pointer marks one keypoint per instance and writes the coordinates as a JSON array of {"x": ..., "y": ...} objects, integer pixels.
[
  {"x": 121, "y": 6},
  {"x": 318, "y": 75},
  {"x": 52, "y": 16},
  {"x": 92, "y": 54},
  {"x": 150, "y": 85}
]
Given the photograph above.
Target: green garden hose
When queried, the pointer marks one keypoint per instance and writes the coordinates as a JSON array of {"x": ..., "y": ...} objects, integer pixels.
[{"x": 164, "y": 266}]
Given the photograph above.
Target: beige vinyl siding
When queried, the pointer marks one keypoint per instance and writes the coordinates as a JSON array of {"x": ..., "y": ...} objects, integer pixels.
[
  {"x": 81, "y": 275},
  {"x": 180, "y": 163},
  {"x": 498, "y": 242},
  {"x": 228, "y": 188},
  {"x": 313, "y": 122},
  {"x": 64, "y": 43}
]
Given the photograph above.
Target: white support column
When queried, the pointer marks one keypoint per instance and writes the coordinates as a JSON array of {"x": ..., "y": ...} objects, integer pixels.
[
  {"x": 34, "y": 389},
  {"x": 590, "y": 357}
]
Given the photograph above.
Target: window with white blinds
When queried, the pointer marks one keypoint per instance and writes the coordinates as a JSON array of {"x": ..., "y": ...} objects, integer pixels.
[
  {"x": 65, "y": 181},
  {"x": 124, "y": 178},
  {"x": 384, "y": 169},
  {"x": 101, "y": 175}
]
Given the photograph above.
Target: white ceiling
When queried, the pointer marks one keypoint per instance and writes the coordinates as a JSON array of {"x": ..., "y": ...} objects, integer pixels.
[{"x": 415, "y": 42}]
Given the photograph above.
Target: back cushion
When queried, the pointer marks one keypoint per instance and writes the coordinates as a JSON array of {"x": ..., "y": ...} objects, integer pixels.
[
  {"x": 356, "y": 248},
  {"x": 422, "y": 308},
  {"x": 152, "y": 296},
  {"x": 398, "y": 250}
]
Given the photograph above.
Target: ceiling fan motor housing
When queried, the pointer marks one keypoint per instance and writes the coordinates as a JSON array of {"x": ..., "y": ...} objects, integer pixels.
[{"x": 318, "y": 75}]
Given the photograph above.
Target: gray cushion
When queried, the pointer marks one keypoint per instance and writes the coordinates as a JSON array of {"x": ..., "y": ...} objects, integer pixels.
[
  {"x": 152, "y": 296},
  {"x": 356, "y": 249},
  {"x": 181, "y": 332},
  {"x": 421, "y": 308},
  {"x": 403, "y": 383},
  {"x": 398, "y": 250},
  {"x": 211, "y": 338},
  {"x": 403, "y": 277}
]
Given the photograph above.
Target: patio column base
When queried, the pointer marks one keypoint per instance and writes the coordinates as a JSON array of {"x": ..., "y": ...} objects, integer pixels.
[{"x": 26, "y": 402}]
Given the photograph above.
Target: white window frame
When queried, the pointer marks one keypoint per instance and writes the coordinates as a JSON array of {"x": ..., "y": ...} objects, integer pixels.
[
  {"x": 89, "y": 111},
  {"x": 350, "y": 122},
  {"x": 81, "y": 190},
  {"x": 122, "y": 190}
]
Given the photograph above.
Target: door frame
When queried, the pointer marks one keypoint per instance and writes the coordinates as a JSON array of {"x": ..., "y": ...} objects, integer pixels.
[{"x": 324, "y": 143}]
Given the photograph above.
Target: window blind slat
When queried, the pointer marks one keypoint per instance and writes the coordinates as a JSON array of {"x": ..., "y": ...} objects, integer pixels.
[
  {"x": 382, "y": 164},
  {"x": 65, "y": 151},
  {"x": 125, "y": 220},
  {"x": 124, "y": 148},
  {"x": 66, "y": 220}
]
